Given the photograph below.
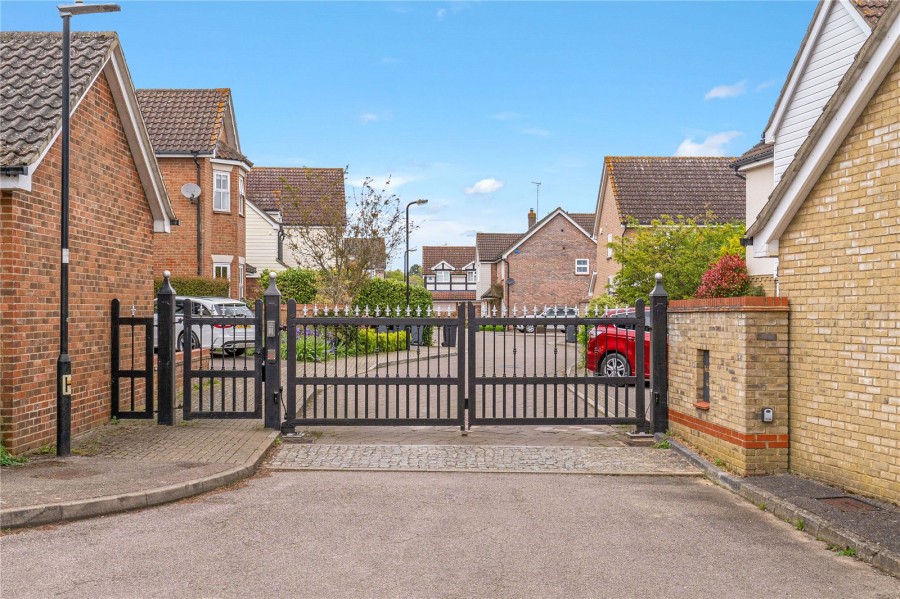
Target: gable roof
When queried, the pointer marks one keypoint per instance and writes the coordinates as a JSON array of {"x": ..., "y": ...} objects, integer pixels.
[
  {"x": 457, "y": 256},
  {"x": 542, "y": 223},
  {"x": 648, "y": 187},
  {"x": 490, "y": 246},
  {"x": 184, "y": 121},
  {"x": 865, "y": 11},
  {"x": 31, "y": 98},
  {"x": 585, "y": 220},
  {"x": 871, "y": 65},
  {"x": 31, "y": 105},
  {"x": 304, "y": 196},
  {"x": 758, "y": 153}
]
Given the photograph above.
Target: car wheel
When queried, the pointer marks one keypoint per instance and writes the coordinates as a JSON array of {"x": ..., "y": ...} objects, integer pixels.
[
  {"x": 237, "y": 351},
  {"x": 529, "y": 328},
  {"x": 195, "y": 342},
  {"x": 614, "y": 365}
]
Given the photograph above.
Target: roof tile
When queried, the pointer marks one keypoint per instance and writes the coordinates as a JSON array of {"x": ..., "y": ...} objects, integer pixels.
[
  {"x": 871, "y": 10},
  {"x": 301, "y": 194},
  {"x": 31, "y": 88},
  {"x": 456, "y": 256},
  {"x": 183, "y": 120},
  {"x": 648, "y": 187},
  {"x": 491, "y": 246}
]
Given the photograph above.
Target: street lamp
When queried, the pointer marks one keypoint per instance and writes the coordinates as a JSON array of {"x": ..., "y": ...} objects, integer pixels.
[
  {"x": 64, "y": 363},
  {"x": 419, "y": 202}
]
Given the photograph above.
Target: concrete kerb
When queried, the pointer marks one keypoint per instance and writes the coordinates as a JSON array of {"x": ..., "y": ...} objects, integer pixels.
[
  {"x": 100, "y": 506},
  {"x": 823, "y": 530}
]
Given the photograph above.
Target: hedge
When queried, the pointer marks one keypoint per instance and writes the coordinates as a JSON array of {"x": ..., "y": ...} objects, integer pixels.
[
  {"x": 196, "y": 286},
  {"x": 296, "y": 284},
  {"x": 383, "y": 294},
  {"x": 318, "y": 344}
]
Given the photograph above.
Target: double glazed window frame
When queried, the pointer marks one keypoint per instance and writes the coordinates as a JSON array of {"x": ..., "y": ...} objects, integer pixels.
[{"x": 221, "y": 191}]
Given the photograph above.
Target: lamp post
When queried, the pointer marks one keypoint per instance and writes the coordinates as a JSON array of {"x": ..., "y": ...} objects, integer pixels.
[
  {"x": 419, "y": 202},
  {"x": 64, "y": 363}
]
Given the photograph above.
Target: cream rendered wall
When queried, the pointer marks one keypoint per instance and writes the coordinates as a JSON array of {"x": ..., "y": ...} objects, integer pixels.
[{"x": 760, "y": 183}]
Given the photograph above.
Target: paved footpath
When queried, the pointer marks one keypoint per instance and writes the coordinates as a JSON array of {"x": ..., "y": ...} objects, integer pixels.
[{"x": 484, "y": 458}]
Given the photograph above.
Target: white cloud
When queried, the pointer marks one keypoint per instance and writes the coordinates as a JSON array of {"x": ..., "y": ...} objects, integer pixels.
[
  {"x": 389, "y": 60},
  {"x": 766, "y": 84},
  {"x": 484, "y": 186},
  {"x": 441, "y": 13},
  {"x": 714, "y": 145},
  {"x": 727, "y": 91},
  {"x": 368, "y": 117},
  {"x": 507, "y": 115},
  {"x": 535, "y": 131}
]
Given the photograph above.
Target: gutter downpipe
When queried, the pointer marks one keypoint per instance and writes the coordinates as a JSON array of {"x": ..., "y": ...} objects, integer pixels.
[
  {"x": 199, "y": 221},
  {"x": 506, "y": 285}
]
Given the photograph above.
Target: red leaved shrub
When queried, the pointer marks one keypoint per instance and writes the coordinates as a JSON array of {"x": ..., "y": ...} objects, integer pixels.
[{"x": 727, "y": 277}]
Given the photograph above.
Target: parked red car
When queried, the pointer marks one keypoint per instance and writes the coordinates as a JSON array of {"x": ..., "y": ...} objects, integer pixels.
[{"x": 611, "y": 348}]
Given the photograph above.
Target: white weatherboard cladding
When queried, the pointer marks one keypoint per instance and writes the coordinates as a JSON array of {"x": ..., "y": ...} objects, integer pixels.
[
  {"x": 484, "y": 279},
  {"x": 835, "y": 48},
  {"x": 262, "y": 243}
]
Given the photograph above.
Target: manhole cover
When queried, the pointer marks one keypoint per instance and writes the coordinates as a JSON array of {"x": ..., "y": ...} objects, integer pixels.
[{"x": 848, "y": 504}]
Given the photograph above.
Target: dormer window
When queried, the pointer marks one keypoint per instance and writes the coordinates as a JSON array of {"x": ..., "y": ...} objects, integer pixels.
[{"x": 442, "y": 276}]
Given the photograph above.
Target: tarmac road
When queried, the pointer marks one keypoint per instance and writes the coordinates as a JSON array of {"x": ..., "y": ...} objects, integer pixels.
[{"x": 405, "y": 534}]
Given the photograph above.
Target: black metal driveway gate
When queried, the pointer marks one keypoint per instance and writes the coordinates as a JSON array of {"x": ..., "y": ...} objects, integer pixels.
[
  {"x": 223, "y": 378},
  {"x": 534, "y": 369},
  {"x": 373, "y": 368}
]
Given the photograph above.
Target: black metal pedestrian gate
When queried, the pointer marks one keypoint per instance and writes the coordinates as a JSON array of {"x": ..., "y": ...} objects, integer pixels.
[{"x": 392, "y": 367}]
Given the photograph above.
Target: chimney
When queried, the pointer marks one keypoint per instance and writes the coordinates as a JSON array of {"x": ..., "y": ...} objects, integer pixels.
[{"x": 532, "y": 218}]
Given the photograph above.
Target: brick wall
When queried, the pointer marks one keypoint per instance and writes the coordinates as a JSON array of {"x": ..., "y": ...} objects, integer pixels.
[
  {"x": 111, "y": 231},
  {"x": 544, "y": 268},
  {"x": 747, "y": 341},
  {"x": 767, "y": 282},
  {"x": 838, "y": 263},
  {"x": 610, "y": 222},
  {"x": 222, "y": 233}
]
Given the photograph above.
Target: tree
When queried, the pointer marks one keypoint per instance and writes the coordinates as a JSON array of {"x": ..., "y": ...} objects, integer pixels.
[
  {"x": 350, "y": 240},
  {"x": 682, "y": 249},
  {"x": 415, "y": 269}
]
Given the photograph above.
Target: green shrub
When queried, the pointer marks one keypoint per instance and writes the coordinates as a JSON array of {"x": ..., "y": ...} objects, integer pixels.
[
  {"x": 382, "y": 294},
  {"x": 491, "y": 327},
  {"x": 298, "y": 284},
  {"x": 197, "y": 286},
  {"x": 317, "y": 344},
  {"x": 8, "y": 459}
]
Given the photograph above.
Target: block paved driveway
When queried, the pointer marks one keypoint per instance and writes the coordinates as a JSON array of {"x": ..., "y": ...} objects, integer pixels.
[{"x": 414, "y": 534}]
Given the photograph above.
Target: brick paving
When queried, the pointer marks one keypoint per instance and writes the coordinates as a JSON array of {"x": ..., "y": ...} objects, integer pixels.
[{"x": 482, "y": 458}]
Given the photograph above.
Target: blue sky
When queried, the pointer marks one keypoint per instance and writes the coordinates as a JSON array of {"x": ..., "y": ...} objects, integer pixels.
[{"x": 467, "y": 104}]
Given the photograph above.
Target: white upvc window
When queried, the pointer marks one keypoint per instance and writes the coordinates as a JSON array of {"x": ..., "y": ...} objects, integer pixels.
[
  {"x": 221, "y": 270},
  {"x": 241, "y": 196},
  {"x": 222, "y": 192},
  {"x": 582, "y": 266},
  {"x": 471, "y": 276},
  {"x": 442, "y": 276},
  {"x": 609, "y": 239}
]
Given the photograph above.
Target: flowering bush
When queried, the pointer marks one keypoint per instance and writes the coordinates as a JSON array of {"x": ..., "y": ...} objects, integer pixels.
[{"x": 727, "y": 277}]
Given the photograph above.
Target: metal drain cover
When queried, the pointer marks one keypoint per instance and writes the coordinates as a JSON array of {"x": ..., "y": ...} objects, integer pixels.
[{"x": 848, "y": 504}]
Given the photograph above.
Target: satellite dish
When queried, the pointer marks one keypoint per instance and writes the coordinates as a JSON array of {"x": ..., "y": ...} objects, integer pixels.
[
  {"x": 190, "y": 190},
  {"x": 510, "y": 281}
]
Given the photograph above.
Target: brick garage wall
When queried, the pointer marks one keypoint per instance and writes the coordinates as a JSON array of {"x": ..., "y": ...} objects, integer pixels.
[
  {"x": 838, "y": 263},
  {"x": 111, "y": 230},
  {"x": 544, "y": 268},
  {"x": 747, "y": 340}
]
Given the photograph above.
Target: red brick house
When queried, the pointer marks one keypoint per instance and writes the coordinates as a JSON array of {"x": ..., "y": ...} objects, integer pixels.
[
  {"x": 118, "y": 203},
  {"x": 644, "y": 188},
  {"x": 195, "y": 139},
  {"x": 549, "y": 265},
  {"x": 450, "y": 274}
]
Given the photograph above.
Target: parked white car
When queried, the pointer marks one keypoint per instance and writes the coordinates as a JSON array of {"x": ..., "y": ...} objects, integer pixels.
[{"x": 226, "y": 338}]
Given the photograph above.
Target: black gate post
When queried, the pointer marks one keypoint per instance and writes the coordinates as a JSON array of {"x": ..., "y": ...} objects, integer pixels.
[
  {"x": 659, "y": 367},
  {"x": 272, "y": 342},
  {"x": 165, "y": 357}
]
